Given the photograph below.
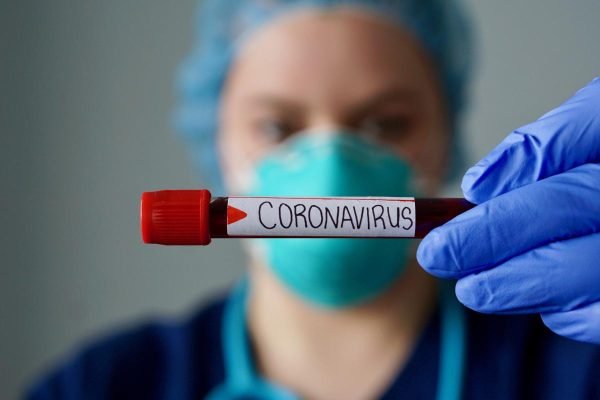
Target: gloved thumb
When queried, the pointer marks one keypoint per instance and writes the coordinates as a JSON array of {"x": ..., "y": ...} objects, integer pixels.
[{"x": 582, "y": 324}]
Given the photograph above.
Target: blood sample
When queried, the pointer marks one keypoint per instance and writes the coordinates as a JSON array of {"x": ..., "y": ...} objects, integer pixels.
[{"x": 192, "y": 217}]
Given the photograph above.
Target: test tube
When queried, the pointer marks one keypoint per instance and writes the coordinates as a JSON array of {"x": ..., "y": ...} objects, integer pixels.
[{"x": 193, "y": 217}]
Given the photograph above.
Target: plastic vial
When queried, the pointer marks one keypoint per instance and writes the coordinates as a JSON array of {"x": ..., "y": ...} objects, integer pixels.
[{"x": 191, "y": 217}]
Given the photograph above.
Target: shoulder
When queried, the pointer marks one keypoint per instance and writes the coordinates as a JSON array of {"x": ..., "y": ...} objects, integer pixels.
[
  {"x": 518, "y": 355},
  {"x": 157, "y": 359}
]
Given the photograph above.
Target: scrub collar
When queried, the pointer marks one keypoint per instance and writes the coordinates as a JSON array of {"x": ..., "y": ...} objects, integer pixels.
[{"x": 243, "y": 382}]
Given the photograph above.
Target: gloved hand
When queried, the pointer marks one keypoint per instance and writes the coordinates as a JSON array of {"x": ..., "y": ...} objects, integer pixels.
[{"x": 532, "y": 245}]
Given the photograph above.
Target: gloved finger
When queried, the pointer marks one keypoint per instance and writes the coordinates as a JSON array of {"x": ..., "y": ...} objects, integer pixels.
[
  {"x": 561, "y": 276},
  {"x": 564, "y": 138},
  {"x": 581, "y": 324},
  {"x": 557, "y": 208}
]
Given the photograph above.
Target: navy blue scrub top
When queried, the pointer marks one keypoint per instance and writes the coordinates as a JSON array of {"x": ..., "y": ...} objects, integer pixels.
[{"x": 508, "y": 357}]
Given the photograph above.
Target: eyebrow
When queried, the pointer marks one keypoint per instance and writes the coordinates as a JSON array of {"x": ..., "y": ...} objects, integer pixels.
[
  {"x": 399, "y": 95},
  {"x": 287, "y": 105},
  {"x": 284, "y": 104}
]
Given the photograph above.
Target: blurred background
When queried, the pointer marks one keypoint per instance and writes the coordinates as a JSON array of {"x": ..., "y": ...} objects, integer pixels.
[{"x": 86, "y": 91}]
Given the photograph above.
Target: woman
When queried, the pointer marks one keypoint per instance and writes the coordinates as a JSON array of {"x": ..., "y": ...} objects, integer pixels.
[{"x": 348, "y": 99}]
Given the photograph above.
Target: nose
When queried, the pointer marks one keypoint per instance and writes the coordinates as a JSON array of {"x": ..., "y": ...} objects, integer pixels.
[{"x": 328, "y": 121}]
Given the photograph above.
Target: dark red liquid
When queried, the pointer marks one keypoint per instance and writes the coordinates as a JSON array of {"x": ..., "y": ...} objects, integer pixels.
[{"x": 432, "y": 213}]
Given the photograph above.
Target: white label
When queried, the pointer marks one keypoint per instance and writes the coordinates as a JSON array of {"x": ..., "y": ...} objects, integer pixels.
[{"x": 329, "y": 216}]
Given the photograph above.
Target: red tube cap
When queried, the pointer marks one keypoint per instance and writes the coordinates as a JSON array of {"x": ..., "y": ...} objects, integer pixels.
[{"x": 175, "y": 217}]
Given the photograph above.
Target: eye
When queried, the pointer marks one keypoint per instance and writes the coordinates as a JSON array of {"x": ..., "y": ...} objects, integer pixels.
[
  {"x": 386, "y": 128},
  {"x": 275, "y": 130}
]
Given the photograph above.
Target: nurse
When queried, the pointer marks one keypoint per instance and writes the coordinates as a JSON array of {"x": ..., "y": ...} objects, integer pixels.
[{"x": 344, "y": 98}]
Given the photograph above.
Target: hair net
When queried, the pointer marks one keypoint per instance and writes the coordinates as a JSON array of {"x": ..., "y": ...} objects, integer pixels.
[{"x": 440, "y": 25}]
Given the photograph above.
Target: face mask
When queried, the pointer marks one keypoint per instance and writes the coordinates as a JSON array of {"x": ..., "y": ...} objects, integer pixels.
[{"x": 336, "y": 272}]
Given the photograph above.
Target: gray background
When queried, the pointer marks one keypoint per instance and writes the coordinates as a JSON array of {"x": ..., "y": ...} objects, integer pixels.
[{"x": 85, "y": 95}]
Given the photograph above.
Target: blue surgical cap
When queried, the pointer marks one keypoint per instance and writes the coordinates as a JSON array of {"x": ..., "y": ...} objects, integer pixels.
[{"x": 441, "y": 25}]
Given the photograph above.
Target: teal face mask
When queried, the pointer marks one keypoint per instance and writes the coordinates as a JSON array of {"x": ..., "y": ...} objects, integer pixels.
[{"x": 336, "y": 272}]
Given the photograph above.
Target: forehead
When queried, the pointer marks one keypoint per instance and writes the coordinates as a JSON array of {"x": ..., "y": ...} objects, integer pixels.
[{"x": 313, "y": 53}]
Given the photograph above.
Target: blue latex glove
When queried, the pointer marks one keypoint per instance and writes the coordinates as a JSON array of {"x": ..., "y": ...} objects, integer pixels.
[{"x": 532, "y": 245}]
